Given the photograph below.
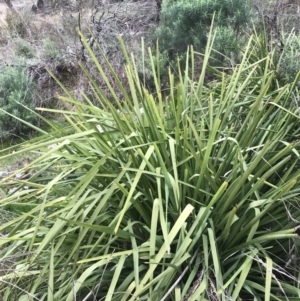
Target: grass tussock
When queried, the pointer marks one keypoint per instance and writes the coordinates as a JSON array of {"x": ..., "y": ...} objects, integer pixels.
[{"x": 187, "y": 195}]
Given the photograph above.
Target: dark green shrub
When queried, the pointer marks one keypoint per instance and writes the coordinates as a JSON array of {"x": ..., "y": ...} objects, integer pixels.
[
  {"x": 15, "y": 93},
  {"x": 184, "y": 23},
  {"x": 226, "y": 46}
]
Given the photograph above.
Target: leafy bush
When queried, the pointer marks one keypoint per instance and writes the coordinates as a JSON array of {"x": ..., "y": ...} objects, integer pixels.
[
  {"x": 24, "y": 49},
  {"x": 226, "y": 47},
  {"x": 15, "y": 97},
  {"x": 50, "y": 51},
  {"x": 184, "y": 23},
  {"x": 193, "y": 196}
]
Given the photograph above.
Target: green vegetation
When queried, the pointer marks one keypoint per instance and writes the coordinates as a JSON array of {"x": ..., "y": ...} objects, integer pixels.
[
  {"x": 165, "y": 175},
  {"x": 23, "y": 49},
  {"x": 184, "y": 23},
  {"x": 50, "y": 50},
  {"x": 290, "y": 62},
  {"x": 184, "y": 196},
  {"x": 16, "y": 102}
]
